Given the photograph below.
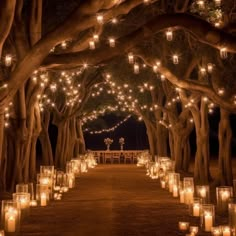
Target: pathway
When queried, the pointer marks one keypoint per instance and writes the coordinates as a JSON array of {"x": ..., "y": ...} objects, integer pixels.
[{"x": 110, "y": 200}]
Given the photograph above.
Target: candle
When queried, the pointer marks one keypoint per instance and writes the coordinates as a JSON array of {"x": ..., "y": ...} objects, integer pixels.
[
  {"x": 193, "y": 230},
  {"x": 70, "y": 183},
  {"x": 183, "y": 225},
  {"x": 163, "y": 184},
  {"x": 202, "y": 192},
  {"x": 2, "y": 233},
  {"x": 226, "y": 231},
  {"x": 43, "y": 199},
  {"x": 171, "y": 186},
  {"x": 208, "y": 222},
  {"x": 196, "y": 209},
  {"x": 23, "y": 203},
  {"x": 175, "y": 191},
  {"x": 181, "y": 195},
  {"x": 225, "y": 195},
  {"x": 188, "y": 196},
  {"x": 11, "y": 223},
  {"x": 33, "y": 203}
]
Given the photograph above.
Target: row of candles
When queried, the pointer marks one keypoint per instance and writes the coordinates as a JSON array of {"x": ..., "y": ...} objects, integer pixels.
[
  {"x": 196, "y": 197},
  {"x": 50, "y": 185}
]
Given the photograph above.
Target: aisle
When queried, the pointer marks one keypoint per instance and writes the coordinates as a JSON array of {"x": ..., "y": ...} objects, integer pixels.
[{"x": 110, "y": 200}]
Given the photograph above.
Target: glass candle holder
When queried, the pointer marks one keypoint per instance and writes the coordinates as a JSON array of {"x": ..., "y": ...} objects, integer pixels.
[
  {"x": 47, "y": 170},
  {"x": 71, "y": 180},
  {"x": 48, "y": 180},
  {"x": 203, "y": 192},
  {"x": 195, "y": 207},
  {"x": 42, "y": 194},
  {"x": 76, "y": 166},
  {"x": 183, "y": 226},
  {"x": 23, "y": 202},
  {"x": 22, "y": 188},
  {"x": 10, "y": 216},
  {"x": 170, "y": 181},
  {"x": 31, "y": 191},
  {"x": 188, "y": 185},
  {"x": 176, "y": 184},
  {"x": 83, "y": 166},
  {"x": 163, "y": 182},
  {"x": 226, "y": 230},
  {"x": 207, "y": 217},
  {"x": 193, "y": 230},
  {"x": 232, "y": 213},
  {"x": 2, "y": 233},
  {"x": 223, "y": 195},
  {"x": 216, "y": 231}
]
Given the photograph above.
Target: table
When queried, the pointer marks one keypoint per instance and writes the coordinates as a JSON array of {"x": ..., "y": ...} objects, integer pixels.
[{"x": 116, "y": 156}]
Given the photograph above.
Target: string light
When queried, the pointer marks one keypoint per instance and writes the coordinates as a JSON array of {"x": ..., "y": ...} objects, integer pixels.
[
  {"x": 112, "y": 42},
  {"x": 109, "y": 129},
  {"x": 91, "y": 45},
  {"x": 96, "y": 37},
  {"x": 8, "y": 60},
  {"x": 136, "y": 68},
  {"x": 223, "y": 53},
  {"x": 131, "y": 58},
  {"x": 100, "y": 19},
  {"x": 175, "y": 59}
]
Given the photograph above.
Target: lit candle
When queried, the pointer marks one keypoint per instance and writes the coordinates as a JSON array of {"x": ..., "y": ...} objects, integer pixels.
[
  {"x": 193, "y": 230},
  {"x": 196, "y": 209},
  {"x": 171, "y": 186},
  {"x": 43, "y": 199},
  {"x": 23, "y": 203},
  {"x": 181, "y": 196},
  {"x": 183, "y": 225},
  {"x": 33, "y": 203},
  {"x": 11, "y": 224},
  {"x": 163, "y": 184},
  {"x": 225, "y": 195},
  {"x": 2, "y": 233},
  {"x": 70, "y": 183},
  {"x": 226, "y": 231},
  {"x": 208, "y": 221},
  {"x": 188, "y": 196},
  {"x": 202, "y": 192},
  {"x": 175, "y": 191}
]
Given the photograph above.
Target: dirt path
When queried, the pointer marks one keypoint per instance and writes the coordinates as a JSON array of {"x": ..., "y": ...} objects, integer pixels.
[{"x": 110, "y": 200}]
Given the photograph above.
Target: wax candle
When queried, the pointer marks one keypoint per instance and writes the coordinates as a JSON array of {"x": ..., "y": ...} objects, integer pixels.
[
  {"x": 226, "y": 231},
  {"x": 183, "y": 225},
  {"x": 208, "y": 222},
  {"x": 33, "y": 203},
  {"x": 163, "y": 184},
  {"x": 70, "y": 183},
  {"x": 193, "y": 230},
  {"x": 196, "y": 209},
  {"x": 181, "y": 196},
  {"x": 175, "y": 191},
  {"x": 188, "y": 196},
  {"x": 171, "y": 186},
  {"x": 11, "y": 224},
  {"x": 23, "y": 203},
  {"x": 43, "y": 199},
  {"x": 225, "y": 195},
  {"x": 202, "y": 192}
]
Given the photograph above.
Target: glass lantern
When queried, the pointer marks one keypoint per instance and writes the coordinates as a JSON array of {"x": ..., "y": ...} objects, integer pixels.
[
  {"x": 42, "y": 194},
  {"x": 207, "y": 217},
  {"x": 203, "y": 192},
  {"x": 10, "y": 216},
  {"x": 223, "y": 195},
  {"x": 188, "y": 185},
  {"x": 232, "y": 213},
  {"x": 176, "y": 184},
  {"x": 195, "y": 207},
  {"x": 23, "y": 202},
  {"x": 170, "y": 181},
  {"x": 22, "y": 188}
]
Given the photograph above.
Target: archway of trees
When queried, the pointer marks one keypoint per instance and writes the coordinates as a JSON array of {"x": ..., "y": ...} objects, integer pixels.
[{"x": 65, "y": 63}]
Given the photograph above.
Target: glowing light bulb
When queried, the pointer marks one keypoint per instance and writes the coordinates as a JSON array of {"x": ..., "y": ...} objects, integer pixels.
[
  {"x": 136, "y": 68},
  {"x": 209, "y": 67},
  {"x": 96, "y": 37},
  {"x": 114, "y": 21},
  {"x": 169, "y": 35},
  {"x": 223, "y": 53},
  {"x": 100, "y": 19},
  {"x": 112, "y": 42},
  {"x": 64, "y": 45},
  {"x": 91, "y": 45},
  {"x": 8, "y": 60},
  {"x": 217, "y": 3},
  {"x": 131, "y": 58},
  {"x": 201, "y": 4},
  {"x": 175, "y": 59}
]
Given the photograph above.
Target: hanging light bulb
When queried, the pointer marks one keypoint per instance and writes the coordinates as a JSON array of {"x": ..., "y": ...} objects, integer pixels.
[
  {"x": 209, "y": 67},
  {"x": 175, "y": 59},
  {"x": 169, "y": 35},
  {"x": 114, "y": 21},
  {"x": 131, "y": 58},
  {"x": 64, "y": 45},
  {"x": 91, "y": 45},
  {"x": 96, "y": 37},
  {"x": 223, "y": 53},
  {"x": 8, "y": 60},
  {"x": 201, "y": 4},
  {"x": 112, "y": 42},
  {"x": 136, "y": 68},
  {"x": 100, "y": 19},
  {"x": 203, "y": 71}
]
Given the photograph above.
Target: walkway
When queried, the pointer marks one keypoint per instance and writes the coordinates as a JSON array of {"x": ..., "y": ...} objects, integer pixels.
[{"x": 110, "y": 200}]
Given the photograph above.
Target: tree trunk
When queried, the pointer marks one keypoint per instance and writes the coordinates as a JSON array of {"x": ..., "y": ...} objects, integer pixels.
[
  {"x": 201, "y": 167},
  {"x": 225, "y": 176},
  {"x": 80, "y": 147},
  {"x": 161, "y": 137}
]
